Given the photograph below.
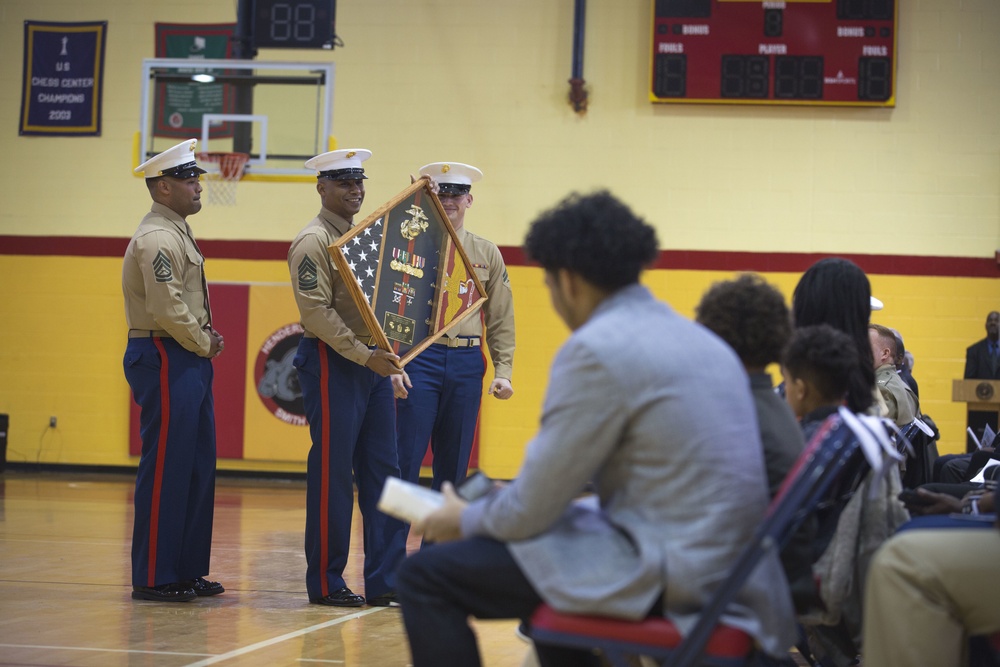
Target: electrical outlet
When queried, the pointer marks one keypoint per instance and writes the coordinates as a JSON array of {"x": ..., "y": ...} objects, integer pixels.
[{"x": 52, "y": 422}]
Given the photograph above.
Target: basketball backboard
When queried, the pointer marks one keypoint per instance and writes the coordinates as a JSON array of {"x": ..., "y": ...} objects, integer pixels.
[{"x": 281, "y": 113}]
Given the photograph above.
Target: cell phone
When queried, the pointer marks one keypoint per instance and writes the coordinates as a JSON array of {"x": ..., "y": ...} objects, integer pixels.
[
  {"x": 475, "y": 486},
  {"x": 911, "y": 497}
]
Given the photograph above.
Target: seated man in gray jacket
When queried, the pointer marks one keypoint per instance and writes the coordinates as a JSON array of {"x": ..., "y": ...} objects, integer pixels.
[{"x": 656, "y": 412}]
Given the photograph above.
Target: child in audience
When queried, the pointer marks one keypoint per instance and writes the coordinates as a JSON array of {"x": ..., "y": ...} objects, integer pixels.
[{"x": 817, "y": 366}]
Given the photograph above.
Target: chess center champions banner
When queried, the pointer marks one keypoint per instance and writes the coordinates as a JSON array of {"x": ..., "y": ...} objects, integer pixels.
[
  {"x": 413, "y": 280},
  {"x": 63, "y": 78}
]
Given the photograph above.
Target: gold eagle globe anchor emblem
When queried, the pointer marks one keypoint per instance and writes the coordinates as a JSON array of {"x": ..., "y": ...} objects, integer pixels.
[
  {"x": 984, "y": 391},
  {"x": 411, "y": 228}
]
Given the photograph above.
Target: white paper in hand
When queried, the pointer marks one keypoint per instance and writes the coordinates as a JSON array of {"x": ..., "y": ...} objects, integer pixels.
[
  {"x": 988, "y": 437},
  {"x": 980, "y": 478},
  {"x": 972, "y": 435},
  {"x": 408, "y": 502}
]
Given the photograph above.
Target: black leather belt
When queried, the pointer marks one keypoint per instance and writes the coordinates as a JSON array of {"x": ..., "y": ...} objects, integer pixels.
[
  {"x": 458, "y": 342},
  {"x": 147, "y": 333}
]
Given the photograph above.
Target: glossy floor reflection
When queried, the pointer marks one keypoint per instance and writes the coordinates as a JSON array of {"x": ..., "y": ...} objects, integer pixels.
[{"x": 64, "y": 586}]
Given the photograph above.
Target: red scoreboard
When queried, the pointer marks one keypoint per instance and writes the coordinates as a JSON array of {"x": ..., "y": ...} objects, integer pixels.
[{"x": 816, "y": 52}]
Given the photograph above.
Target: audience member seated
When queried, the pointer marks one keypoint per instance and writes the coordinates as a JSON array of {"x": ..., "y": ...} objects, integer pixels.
[
  {"x": 835, "y": 291},
  {"x": 751, "y": 316},
  {"x": 924, "y": 502},
  {"x": 929, "y": 591},
  {"x": 817, "y": 365},
  {"x": 960, "y": 468},
  {"x": 904, "y": 364},
  {"x": 680, "y": 488},
  {"x": 922, "y": 454},
  {"x": 900, "y": 401}
]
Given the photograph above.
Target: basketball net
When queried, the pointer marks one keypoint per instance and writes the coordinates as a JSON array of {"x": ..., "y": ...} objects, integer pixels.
[{"x": 224, "y": 171}]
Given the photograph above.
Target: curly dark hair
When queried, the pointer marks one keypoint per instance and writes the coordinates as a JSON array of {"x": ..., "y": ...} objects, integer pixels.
[
  {"x": 836, "y": 291},
  {"x": 596, "y": 236},
  {"x": 823, "y": 356},
  {"x": 750, "y": 315}
]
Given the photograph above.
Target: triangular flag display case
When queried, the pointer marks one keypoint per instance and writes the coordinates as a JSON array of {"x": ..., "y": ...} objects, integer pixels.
[{"x": 412, "y": 279}]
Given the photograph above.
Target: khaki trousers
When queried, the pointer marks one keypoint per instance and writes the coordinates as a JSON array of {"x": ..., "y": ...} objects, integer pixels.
[{"x": 928, "y": 590}]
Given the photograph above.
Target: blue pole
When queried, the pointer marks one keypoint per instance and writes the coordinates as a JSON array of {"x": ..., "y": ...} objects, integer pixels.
[
  {"x": 579, "y": 28},
  {"x": 577, "y": 93}
]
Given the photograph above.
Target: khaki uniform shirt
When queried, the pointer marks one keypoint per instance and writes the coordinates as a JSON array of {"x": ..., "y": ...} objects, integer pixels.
[
  {"x": 325, "y": 305},
  {"x": 498, "y": 310},
  {"x": 900, "y": 400},
  {"x": 163, "y": 280}
]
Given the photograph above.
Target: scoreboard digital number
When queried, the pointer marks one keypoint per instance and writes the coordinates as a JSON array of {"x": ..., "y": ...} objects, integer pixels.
[
  {"x": 294, "y": 24},
  {"x": 797, "y": 52}
]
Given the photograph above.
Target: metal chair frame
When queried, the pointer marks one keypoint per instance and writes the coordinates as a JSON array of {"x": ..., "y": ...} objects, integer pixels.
[{"x": 710, "y": 642}]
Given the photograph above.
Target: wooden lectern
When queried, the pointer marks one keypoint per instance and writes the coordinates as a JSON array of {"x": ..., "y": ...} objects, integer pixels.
[
  {"x": 978, "y": 395},
  {"x": 981, "y": 395}
]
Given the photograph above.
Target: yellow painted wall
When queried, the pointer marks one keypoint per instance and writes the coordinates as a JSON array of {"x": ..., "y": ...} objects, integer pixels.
[
  {"x": 61, "y": 346},
  {"x": 937, "y": 317},
  {"x": 422, "y": 80}
]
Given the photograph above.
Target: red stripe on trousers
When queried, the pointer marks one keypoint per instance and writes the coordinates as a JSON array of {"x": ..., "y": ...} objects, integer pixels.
[
  {"x": 324, "y": 487},
  {"x": 161, "y": 453},
  {"x": 474, "y": 449}
]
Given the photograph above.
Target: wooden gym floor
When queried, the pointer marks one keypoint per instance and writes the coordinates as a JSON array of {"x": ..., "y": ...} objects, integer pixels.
[{"x": 65, "y": 585}]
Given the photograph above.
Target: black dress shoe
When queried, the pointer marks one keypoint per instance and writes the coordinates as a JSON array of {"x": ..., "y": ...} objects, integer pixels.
[
  {"x": 342, "y": 597},
  {"x": 389, "y": 599},
  {"x": 203, "y": 587},
  {"x": 176, "y": 592}
]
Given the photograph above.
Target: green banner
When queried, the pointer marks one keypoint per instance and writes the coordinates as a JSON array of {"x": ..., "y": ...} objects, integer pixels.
[{"x": 181, "y": 105}]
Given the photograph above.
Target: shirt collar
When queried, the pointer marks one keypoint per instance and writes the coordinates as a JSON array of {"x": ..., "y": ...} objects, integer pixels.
[{"x": 335, "y": 221}]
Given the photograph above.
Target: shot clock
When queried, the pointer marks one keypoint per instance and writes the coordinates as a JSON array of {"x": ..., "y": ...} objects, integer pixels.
[
  {"x": 294, "y": 24},
  {"x": 796, "y": 52}
]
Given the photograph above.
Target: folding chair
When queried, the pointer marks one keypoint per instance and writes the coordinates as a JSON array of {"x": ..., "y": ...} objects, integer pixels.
[
  {"x": 711, "y": 642},
  {"x": 922, "y": 451}
]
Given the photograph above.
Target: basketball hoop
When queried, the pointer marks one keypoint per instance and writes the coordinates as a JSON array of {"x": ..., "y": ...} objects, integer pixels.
[{"x": 223, "y": 174}]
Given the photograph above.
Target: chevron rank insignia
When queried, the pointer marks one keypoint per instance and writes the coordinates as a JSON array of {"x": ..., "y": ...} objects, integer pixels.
[
  {"x": 163, "y": 270},
  {"x": 307, "y": 274}
]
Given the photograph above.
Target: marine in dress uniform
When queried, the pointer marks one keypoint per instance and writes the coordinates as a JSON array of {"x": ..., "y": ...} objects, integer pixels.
[
  {"x": 348, "y": 401},
  {"x": 900, "y": 401},
  {"x": 168, "y": 366},
  {"x": 442, "y": 407}
]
